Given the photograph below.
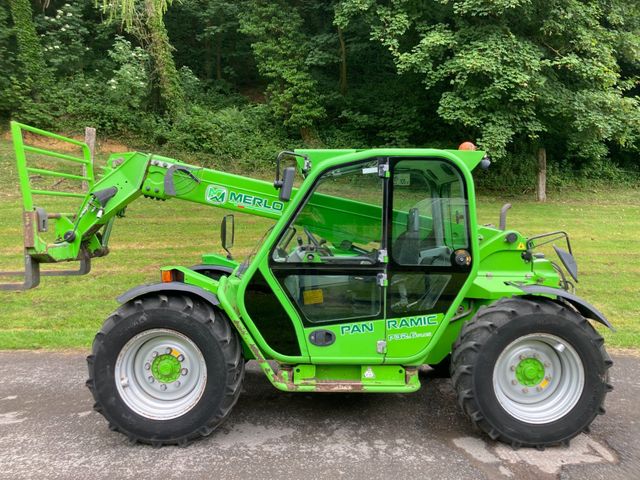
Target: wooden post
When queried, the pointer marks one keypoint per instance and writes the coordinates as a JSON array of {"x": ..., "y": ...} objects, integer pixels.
[
  {"x": 90, "y": 140},
  {"x": 541, "y": 191},
  {"x": 343, "y": 63}
]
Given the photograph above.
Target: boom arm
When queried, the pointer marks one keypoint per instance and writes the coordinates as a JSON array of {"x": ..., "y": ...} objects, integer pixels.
[
  {"x": 85, "y": 234},
  {"x": 153, "y": 176}
]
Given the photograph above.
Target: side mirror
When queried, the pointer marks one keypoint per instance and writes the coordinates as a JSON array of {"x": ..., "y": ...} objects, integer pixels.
[
  {"x": 288, "y": 176},
  {"x": 285, "y": 185},
  {"x": 227, "y": 233}
]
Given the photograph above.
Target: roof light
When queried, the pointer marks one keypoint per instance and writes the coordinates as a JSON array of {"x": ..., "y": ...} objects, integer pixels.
[{"x": 467, "y": 146}]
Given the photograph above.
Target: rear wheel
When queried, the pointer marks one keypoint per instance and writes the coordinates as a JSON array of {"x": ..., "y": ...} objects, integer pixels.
[
  {"x": 165, "y": 369},
  {"x": 530, "y": 372}
]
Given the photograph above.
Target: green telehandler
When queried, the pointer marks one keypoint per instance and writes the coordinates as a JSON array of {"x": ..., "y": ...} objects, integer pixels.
[{"x": 375, "y": 266}]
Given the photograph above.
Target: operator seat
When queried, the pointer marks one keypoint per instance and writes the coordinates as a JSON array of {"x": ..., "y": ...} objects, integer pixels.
[{"x": 406, "y": 248}]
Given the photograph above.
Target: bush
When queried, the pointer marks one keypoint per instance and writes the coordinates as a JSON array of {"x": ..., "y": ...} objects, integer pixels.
[{"x": 245, "y": 137}]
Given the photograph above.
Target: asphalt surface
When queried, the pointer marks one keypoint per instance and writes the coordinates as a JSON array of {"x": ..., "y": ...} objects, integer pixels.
[{"x": 48, "y": 430}]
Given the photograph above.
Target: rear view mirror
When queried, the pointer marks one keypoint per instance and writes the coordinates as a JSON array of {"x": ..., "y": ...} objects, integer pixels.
[
  {"x": 288, "y": 176},
  {"x": 285, "y": 184},
  {"x": 227, "y": 234}
]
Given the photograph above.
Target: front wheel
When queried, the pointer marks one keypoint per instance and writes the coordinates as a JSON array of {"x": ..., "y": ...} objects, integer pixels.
[
  {"x": 165, "y": 369},
  {"x": 530, "y": 372}
]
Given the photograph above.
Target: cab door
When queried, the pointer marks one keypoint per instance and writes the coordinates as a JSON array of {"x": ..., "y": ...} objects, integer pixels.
[
  {"x": 430, "y": 253},
  {"x": 330, "y": 264}
]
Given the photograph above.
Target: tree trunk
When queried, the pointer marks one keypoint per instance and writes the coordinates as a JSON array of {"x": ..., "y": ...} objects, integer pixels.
[
  {"x": 30, "y": 54},
  {"x": 219, "y": 56},
  {"x": 208, "y": 55},
  {"x": 310, "y": 137},
  {"x": 160, "y": 49},
  {"x": 90, "y": 140},
  {"x": 343, "y": 63},
  {"x": 541, "y": 191}
]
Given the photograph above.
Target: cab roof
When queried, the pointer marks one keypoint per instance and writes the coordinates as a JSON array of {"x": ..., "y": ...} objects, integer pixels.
[{"x": 318, "y": 157}]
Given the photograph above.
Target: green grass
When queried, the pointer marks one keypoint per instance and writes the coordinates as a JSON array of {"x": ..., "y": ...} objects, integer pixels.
[{"x": 65, "y": 312}]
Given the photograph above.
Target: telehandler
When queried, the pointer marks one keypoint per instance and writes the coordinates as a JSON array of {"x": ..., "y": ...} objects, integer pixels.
[{"x": 375, "y": 266}]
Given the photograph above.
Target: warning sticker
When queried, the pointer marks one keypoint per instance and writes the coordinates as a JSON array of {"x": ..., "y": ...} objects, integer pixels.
[
  {"x": 522, "y": 246},
  {"x": 402, "y": 179},
  {"x": 312, "y": 297}
]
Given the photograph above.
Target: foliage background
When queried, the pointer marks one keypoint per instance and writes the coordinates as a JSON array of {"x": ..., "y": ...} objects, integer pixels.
[{"x": 237, "y": 81}]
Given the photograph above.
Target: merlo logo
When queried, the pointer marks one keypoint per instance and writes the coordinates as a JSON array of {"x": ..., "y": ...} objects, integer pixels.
[{"x": 216, "y": 194}]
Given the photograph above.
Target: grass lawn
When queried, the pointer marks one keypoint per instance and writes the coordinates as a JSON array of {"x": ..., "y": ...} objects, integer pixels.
[{"x": 65, "y": 312}]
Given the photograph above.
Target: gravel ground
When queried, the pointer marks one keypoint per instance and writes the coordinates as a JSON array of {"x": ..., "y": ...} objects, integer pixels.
[{"x": 48, "y": 430}]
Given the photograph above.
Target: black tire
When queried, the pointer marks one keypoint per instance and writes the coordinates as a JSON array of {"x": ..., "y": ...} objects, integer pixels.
[
  {"x": 207, "y": 328},
  {"x": 490, "y": 332}
]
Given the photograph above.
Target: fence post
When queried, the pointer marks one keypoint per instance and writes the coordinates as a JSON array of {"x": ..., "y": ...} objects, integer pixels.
[
  {"x": 90, "y": 140},
  {"x": 541, "y": 190}
]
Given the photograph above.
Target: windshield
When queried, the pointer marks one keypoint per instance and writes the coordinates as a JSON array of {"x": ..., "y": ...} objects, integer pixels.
[{"x": 247, "y": 261}]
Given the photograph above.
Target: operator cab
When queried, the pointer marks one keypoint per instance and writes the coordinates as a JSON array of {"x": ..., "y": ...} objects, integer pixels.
[{"x": 355, "y": 225}]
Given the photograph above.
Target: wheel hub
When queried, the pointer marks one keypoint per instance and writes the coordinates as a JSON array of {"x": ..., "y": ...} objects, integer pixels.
[
  {"x": 530, "y": 372},
  {"x": 166, "y": 368}
]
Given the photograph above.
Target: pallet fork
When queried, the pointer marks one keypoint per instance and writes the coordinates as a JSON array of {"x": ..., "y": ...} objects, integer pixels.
[{"x": 36, "y": 219}]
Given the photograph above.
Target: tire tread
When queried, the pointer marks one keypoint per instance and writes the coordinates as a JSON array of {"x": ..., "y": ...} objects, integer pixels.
[{"x": 477, "y": 331}]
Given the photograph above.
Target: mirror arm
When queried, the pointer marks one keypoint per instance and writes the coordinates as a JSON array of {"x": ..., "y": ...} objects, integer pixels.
[
  {"x": 278, "y": 183},
  {"x": 223, "y": 234}
]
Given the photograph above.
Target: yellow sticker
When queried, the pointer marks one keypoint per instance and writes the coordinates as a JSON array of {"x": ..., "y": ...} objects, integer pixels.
[
  {"x": 175, "y": 353},
  {"x": 521, "y": 246},
  {"x": 312, "y": 297},
  {"x": 544, "y": 383}
]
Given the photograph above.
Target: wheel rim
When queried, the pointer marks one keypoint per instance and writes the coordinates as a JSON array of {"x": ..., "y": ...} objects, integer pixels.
[
  {"x": 538, "y": 378},
  {"x": 160, "y": 374}
]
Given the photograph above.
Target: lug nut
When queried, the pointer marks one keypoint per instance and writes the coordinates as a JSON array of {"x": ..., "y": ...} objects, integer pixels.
[
  {"x": 538, "y": 389},
  {"x": 168, "y": 350},
  {"x": 147, "y": 366},
  {"x": 514, "y": 382},
  {"x": 547, "y": 378},
  {"x": 163, "y": 387},
  {"x": 547, "y": 364},
  {"x": 184, "y": 371},
  {"x": 525, "y": 390},
  {"x": 522, "y": 357},
  {"x": 177, "y": 384},
  {"x": 181, "y": 358},
  {"x": 512, "y": 368},
  {"x": 154, "y": 354},
  {"x": 151, "y": 379}
]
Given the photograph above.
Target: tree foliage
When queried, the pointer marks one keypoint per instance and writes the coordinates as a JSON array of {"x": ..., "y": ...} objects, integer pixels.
[
  {"x": 145, "y": 19},
  {"x": 524, "y": 72},
  {"x": 281, "y": 49},
  {"x": 512, "y": 75}
]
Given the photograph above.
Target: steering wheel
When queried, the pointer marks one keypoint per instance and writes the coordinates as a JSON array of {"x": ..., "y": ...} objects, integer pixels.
[{"x": 319, "y": 245}]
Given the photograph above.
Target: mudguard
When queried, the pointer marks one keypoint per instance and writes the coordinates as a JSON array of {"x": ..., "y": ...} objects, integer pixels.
[
  {"x": 213, "y": 268},
  {"x": 168, "y": 287},
  {"x": 586, "y": 309}
]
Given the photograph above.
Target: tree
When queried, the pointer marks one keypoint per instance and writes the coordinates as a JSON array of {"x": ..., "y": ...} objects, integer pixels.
[
  {"x": 280, "y": 50},
  {"x": 36, "y": 77},
  {"x": 520, "y": 74},
  {"x": 6, "y": 64},
  {"x": 221, "y": 17},
  {"x": 144, "y": 19}
]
